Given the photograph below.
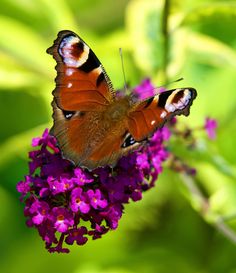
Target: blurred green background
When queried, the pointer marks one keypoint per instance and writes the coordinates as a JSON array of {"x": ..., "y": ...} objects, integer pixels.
[{"x": 183, "y": 224}]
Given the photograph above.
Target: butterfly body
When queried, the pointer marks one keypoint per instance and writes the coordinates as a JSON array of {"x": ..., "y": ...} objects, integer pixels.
[{"x": 92, "y": 125}]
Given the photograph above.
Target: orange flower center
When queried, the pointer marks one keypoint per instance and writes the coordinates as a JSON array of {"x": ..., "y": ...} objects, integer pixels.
[{"x": 60, "y": 217}]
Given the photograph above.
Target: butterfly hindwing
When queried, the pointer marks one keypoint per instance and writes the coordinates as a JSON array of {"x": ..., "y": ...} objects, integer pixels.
[{"x": 149, "y": 115}]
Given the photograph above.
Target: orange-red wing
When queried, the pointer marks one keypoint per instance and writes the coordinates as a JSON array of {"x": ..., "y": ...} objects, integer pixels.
[
  {"x": 88, "y": 141},
  {"x": 81, "y": 82},
  {"x": 147, "y": 116}
]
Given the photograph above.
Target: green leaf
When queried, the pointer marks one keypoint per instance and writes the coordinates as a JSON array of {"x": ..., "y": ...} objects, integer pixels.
[
  {"x": 144, "y": 26},
  {"x": 20, "y": 111},
  {"x": 22, "y": 79},
  {"x": 216, "y": 19},
  {"x": 205, "y": 11},
  {"x": 24, "y": 45},
  {"x": 107, "y": 50},
  {"x": 11, "y": 69},
  {"x": 59, "y": 14},
  {"x": 210, "y": 50},
  {"x": 17, "y": 146}
]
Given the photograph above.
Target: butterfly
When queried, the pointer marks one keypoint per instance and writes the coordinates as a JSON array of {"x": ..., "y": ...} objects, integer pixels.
[{"x": 93, "y": 126}]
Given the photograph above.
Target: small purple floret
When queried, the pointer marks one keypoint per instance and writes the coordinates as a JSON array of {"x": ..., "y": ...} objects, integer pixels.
[
  {"x": 77, "y": 235},
  {"x": 79, "y": 201},
  {"x": 62, "y": 218},
  {"x": 96, "y": 199},
  {"x": 145, "y": 90},
  {"x": 210, "y": 127}
]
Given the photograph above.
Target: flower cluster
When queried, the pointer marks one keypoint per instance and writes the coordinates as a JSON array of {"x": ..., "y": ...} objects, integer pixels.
[{"x": 69, "y": 204}]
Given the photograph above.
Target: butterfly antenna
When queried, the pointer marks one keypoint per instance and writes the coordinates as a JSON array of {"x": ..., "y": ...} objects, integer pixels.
[
  {"x": 164, "y": 85},
  {"x": 134, "y": 96},
  {"x": 123, "y": 70}
]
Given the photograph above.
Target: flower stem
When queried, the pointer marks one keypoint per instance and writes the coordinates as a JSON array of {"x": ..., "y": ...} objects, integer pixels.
[
  {"x": 165, "y": 33},
  {"x": 205, "y": 209}
]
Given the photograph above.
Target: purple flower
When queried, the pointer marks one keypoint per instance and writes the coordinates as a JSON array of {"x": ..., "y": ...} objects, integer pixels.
[
  {"x": 157, "y": 163},
  {"x": 39, "y": 211},
  {"x": 23, "y": 187},
  {"x": 79, "y": 201},
  {"x": 82, "y": 177},
  {"x": 161, "y": 89},
  {"x": 136, "y": 195},
  {"x": 113, "y": 215},
  {"x": 166, "y": 133},
  {"x": 46, "y": 139},
  {"x": 210, "y": 127},
  {"x": 142, "y": 161},
  {"x": 116, "y": 190},
  {"x": 47, "y": 232},
  {"x": 173, "y": 121},
  {"x": 145, "y": 89},
  {"x": 98, "y": 231},
  {"x": 96, "y": 199},
  {"x": 77, "y": 235},
  {"x": 63, "y": 184},
  {"x": 62, "y": 218}
]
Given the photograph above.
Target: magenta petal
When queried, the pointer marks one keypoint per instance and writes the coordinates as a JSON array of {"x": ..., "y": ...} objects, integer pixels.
[
  {"x": 84, "y": 207},
  {"x": 38, "y": 219},
  {"x": 36, "y": 141},
  {"x": 23, "y": 187},
  {"x": 210, "y": 127},
  {"x": 145, "y": 89},
  {"x": 61, "y": 226}
]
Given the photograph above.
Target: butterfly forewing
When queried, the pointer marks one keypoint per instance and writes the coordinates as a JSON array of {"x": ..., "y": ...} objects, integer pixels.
[
  {"x": 81, "y": 81},
  {"x": 147, "y": 116},
  {"x": 83, "y": 91}
]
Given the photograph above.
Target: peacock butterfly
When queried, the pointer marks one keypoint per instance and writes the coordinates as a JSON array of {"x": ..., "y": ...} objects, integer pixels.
[{"x": 93, "y": 126}]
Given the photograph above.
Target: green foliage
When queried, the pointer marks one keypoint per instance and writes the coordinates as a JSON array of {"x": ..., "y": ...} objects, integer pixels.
[{"x": 173, "y": 228}]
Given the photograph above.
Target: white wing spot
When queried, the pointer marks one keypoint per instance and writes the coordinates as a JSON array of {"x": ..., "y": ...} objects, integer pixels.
[
  {"x": 163, "y": 114},
  {"x": 153, "y": 122},
  {"x": 69, "y": 71}
]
